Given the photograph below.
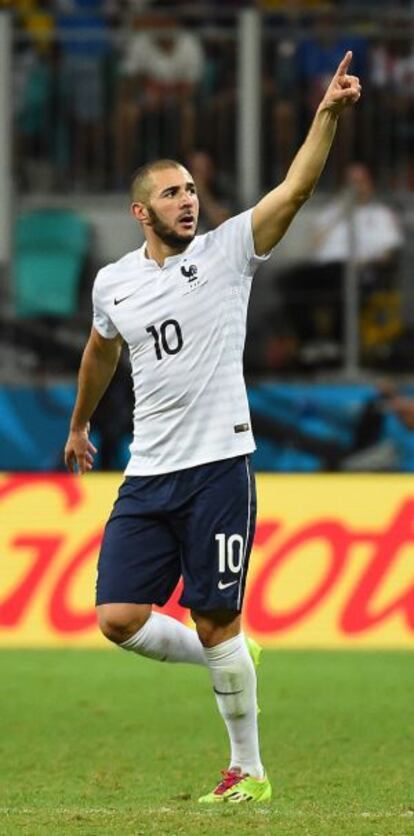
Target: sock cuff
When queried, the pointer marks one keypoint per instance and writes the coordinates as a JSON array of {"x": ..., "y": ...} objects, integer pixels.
[
  {"x": 131, "y": 643},
  {"x": 226, "y": 649}
]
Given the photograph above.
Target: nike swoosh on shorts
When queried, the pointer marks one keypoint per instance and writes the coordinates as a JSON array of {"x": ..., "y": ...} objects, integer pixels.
[{"x": 222, "y": 585}]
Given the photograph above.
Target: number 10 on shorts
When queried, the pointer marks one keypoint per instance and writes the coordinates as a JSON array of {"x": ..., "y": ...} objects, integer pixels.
[{"x": 230, "y": 552}]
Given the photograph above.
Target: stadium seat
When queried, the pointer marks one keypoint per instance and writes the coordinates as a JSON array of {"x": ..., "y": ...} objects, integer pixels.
[{"x": 50, "y": 250}]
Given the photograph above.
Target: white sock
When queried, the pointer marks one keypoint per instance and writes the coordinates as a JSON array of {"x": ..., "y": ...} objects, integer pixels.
[
  {"x": 166, "y": 639},
  {"x": 234, "y": 683}
]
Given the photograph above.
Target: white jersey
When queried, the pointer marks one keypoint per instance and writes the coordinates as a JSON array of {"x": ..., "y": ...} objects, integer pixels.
[{"x": 185, "y": 325}]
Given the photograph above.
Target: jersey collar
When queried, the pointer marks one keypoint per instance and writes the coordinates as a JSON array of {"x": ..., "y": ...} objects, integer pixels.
[{"x": 169, "y": 261}]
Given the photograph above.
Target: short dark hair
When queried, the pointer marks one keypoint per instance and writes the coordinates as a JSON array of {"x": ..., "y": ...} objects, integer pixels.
[{"x": 141, "y": 178}]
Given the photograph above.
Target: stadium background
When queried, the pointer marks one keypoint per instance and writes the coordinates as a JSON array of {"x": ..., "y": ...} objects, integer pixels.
[
  {"x": 322, "y": 400},
  {"x": 332, "y": 396}
]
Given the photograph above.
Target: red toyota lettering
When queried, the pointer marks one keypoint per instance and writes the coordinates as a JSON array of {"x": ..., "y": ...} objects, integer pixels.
[
  {"x": 258, "y": 615},
  {"x": 359, "y": 613}
]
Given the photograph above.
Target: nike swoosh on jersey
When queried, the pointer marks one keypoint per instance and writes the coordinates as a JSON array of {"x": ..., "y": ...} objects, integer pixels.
[
  {"x": 222, "y": 585},
  {"x": 122, "y": 299}
]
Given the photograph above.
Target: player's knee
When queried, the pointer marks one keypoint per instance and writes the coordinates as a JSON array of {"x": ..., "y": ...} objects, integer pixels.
[{"x": 119, "y": 622}]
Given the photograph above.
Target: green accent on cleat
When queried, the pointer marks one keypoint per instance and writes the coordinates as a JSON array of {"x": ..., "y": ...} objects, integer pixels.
[
  {"x": 236, "y": 789},
  {"x": 255, "y": 651}
]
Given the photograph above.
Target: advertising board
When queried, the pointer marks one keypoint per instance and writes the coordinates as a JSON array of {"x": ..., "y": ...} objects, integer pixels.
[{"x": 332, "y": 565}]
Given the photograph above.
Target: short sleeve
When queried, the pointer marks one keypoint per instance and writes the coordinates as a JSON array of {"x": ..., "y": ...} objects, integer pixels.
[
  {"x": 101, "y": 321},
  {"x": 235, "y": 239}
]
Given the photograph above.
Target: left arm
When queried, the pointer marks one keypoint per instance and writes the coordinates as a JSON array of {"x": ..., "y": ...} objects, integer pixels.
[{"x": 274, "y": 213}]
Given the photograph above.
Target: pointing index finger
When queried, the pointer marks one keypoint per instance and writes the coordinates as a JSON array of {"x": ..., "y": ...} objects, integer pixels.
[{"x": 343, "y": 66}]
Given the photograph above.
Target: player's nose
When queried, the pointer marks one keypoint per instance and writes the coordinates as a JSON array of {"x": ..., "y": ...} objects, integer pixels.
[{"x": 188, "y": 197}]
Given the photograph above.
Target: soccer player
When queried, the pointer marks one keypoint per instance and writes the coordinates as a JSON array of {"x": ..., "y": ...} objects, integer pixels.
[{"x": 187, "y": 505}]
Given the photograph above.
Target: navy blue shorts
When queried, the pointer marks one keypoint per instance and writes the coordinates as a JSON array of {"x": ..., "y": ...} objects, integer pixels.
[{"x": 196, "y": 523}]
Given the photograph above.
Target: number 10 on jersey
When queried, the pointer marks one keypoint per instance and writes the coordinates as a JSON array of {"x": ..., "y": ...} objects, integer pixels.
[
  {"x": 168, "y": 338},
  {"x": 230, "y": 552}
]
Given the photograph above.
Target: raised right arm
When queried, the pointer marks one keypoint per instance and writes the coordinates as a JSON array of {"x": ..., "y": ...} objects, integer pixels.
[{"x": 99, "y": 361}]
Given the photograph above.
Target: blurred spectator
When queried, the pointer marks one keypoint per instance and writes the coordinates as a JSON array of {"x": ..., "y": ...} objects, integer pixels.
[
  {"x": 373, "y": 433},
  {"x": 314, "y": 294},
  {"x": 322, "y": 50},
  {"x": 378, "y": 241},
  {"x": 392, "y": 77},
  {"x": 281, "y": 91},
  {"x": 378, "y": 233},
  {"x": 218, "y": 102},
  {"x": 234, "y": 5},
  {"x": 85, "y": 43},
  {"x": 161, "y": 69},
  {"x": 399, "y": 426},
  {"x": 215, "y": 204},
  {"x": 289, "y": 6},
  {"x": 318, "y": 57},
  {"x": 384, "y": 436},
  {"x": 390, "y": 5},
  {"x": 33, "y": 97},
  {"x": 297, "y": 71}
]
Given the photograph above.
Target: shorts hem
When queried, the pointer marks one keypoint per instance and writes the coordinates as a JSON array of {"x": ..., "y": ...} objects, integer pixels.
[
  {"x": 126, "y": 600},
  {"x": 207, "y": 606}
]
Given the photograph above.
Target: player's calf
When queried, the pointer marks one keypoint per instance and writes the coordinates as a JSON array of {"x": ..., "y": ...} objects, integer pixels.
[{"x": 216, "y": 626}]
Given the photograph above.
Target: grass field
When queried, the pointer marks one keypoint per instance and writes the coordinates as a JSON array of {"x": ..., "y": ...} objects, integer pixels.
[{"x": 95, "y": 742}]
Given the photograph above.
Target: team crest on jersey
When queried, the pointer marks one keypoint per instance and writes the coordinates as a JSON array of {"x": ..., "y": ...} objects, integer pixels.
[
  {"x": 193, "y": 279},
  {"x": 190, "y": 272}
]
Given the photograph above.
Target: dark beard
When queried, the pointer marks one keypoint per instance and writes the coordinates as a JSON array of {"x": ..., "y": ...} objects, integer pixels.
[{"x": 166, "y": 234}]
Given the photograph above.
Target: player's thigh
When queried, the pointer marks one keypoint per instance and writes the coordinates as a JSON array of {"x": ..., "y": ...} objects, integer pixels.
[
  {"x": 218, "y": 538},
  {"x": 139, "y": 561}
]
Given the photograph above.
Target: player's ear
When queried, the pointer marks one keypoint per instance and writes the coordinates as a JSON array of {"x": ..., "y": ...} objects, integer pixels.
[{"x": 140, "y": 212}]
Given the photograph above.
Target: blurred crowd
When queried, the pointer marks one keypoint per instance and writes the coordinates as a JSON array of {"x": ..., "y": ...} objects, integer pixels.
[
  {"x": 352, "y": 230},
  {"x": 101, "y": 86}
]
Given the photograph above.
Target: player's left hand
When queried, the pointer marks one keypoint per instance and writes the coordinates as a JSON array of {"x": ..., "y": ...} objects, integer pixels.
[{"x": 344, "y": 89}]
